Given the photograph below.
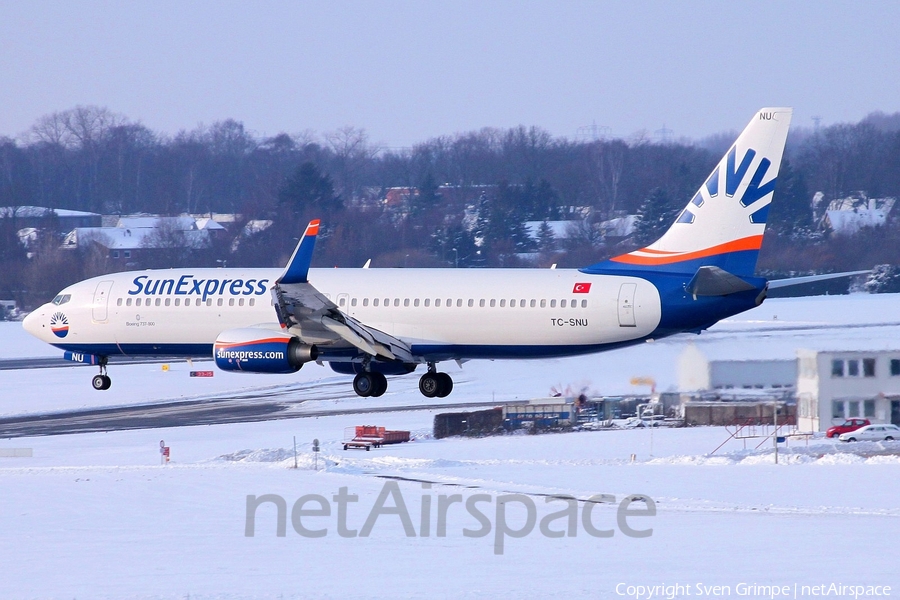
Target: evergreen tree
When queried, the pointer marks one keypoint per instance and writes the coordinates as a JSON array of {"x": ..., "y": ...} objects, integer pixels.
[
  {"x": 791, "y": 212},
  {"x": 884, "y": 279},
  {"x": 308, "y": 190},
  {"x": 428, "y": 197},
  {"x": 546, "y": 238},
  {"x": 655, "y": 216}
]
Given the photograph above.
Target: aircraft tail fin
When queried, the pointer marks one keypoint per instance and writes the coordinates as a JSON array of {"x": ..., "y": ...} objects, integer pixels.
[
  {"x": 723, "y": 224},
  {"x": 297, "y": 269}
]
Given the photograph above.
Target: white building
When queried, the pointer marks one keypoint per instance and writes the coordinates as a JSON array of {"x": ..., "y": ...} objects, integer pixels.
[
  {"x": 835, "y": 385},
  {"x": 696, "y": 372}
]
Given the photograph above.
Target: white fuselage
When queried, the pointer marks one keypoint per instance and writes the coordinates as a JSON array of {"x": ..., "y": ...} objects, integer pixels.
[{"x": 456, "y": 313}]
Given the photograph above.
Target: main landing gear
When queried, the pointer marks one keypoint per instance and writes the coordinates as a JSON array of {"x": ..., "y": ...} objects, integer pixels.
[
  {"x": 433, "y": 384},
  {"x": 102, "y": 381},
  {"x": 370, "y": 383}
]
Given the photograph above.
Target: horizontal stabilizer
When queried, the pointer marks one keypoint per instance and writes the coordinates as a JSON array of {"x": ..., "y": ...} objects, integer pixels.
[
  {"x": 713, "y": 281},
  {"x": 782, "y": 283}
]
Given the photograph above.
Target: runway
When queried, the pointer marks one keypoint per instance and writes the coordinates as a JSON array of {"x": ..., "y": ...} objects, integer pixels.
[{"x": 265, "y": 404}]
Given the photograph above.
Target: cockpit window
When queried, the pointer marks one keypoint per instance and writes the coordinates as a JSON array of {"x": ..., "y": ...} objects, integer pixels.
[{"x": 62, "y": 299}]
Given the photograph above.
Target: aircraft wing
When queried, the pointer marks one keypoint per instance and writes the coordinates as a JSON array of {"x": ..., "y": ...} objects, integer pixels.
[{"x": 304, "y": 310}]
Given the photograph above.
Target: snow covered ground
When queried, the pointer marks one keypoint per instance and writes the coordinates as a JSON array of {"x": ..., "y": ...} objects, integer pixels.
[{"x": 96, "y": 516}]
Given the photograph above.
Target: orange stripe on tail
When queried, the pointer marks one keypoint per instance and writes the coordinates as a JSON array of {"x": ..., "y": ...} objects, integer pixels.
[{"x": 748, "y": 243}]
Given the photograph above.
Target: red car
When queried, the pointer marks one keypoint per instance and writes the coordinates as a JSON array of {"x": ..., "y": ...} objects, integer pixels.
[{"x": 846, "y": 427}]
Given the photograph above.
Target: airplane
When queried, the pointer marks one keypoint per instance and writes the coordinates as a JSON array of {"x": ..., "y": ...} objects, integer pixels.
[{"x": 376, "y": 322}]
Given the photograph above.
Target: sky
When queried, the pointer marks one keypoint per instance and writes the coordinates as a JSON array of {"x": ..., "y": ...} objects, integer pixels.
[{"x": 407, "y": 71}]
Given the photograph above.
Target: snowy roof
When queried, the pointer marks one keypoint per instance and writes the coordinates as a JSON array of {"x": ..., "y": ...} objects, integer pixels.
[
  {"x": 22, "y": 212},
  {"x": 152, "y": 222},
  {"x": 560, "y": 229},
  {"x": 850, "y": 221},
  {"x": 208, "y": 224},
  {"x": 119, "y": 238},
  {"x": 256, "y": 225},
  {"x": 620, "y": 226}
]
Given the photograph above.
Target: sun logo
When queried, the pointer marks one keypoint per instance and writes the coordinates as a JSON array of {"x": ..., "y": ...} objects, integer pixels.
[{"x": 59, "y": 325}]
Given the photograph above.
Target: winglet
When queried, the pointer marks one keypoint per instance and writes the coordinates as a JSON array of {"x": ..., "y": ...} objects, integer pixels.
[{"x": 297, "y": 268}]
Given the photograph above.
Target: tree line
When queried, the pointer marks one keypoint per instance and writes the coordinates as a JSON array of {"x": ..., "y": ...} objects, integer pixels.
[{"x": 471, "y": 192}]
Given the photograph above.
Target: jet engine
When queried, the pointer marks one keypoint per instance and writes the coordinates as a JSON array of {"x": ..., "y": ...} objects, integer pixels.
[{"x": 252, "y": 350}]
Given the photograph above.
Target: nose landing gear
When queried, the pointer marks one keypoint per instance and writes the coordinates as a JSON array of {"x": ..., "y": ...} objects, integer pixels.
[{"x": 102, "y": 381}]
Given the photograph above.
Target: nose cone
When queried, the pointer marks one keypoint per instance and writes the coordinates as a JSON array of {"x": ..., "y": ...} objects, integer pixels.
[{"x": 33, "y": 323}]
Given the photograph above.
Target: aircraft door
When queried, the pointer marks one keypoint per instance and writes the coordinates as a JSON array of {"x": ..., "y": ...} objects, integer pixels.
[
  {"x": 626, "y": 305},
  {"x": 100, "y": 305}
]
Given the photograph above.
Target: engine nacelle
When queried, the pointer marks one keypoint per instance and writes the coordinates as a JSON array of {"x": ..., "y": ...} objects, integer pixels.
[{"x": 252, "y": 350}]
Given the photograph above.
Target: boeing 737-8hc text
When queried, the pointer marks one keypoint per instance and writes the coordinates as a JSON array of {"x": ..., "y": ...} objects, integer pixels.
[{"x": 377, "y": 322}]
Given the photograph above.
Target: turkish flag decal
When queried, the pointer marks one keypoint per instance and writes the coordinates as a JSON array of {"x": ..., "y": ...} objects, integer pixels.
[{"x": 581, "y": 288}]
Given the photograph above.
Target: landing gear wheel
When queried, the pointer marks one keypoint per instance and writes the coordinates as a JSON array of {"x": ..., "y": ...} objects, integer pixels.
[
  {"x": 101, "y": 382},
  {"x": 430, "y": 384},
  {"x": 379, "y": 382},
  {"x": 364, "y": 384},
  {"x": 445, "y": 385}
]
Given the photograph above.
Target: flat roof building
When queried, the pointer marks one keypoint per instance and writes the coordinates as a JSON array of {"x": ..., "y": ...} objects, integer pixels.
[{"x": 836, "y": 385}]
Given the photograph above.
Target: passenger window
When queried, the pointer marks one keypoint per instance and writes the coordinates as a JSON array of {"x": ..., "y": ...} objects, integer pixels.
[
  {"x": 119, "y": 302},
  {"x": 231, "y": 302},
  {"x": 437, "y": 302},
  {"x": 342, "y": 301},
  {"x": 543, "y": 304},
  {"x": 177, "y": 301},
  {"x": 168, "y": 301},
  {"x": 427, "y": 302},
  {"x": 128, "y": 302},
  {"x": 396, "y": 301},
  {"x": 553, "y": 304},
  {"x": 353, "y": 302},
  {"x": 416, "y": 302},
  {"x": 584, "y": 304},
  {"x": 406, "y": 302},
  {"x": 374, "y": 301},
  {"x": 493, "y": 302},
  {"x": 481, "y": 303},
  {"x": 387, "y": 301},
  {"x": 522, "y": 303},
  {"x": 137, "y": 302},
  {"x": 219, "y": 302},
  {"x": 512, "y": 303},
  {"x": 533, "y": 303},
  {"x": 458, "y": 302},
  {"x": 562, "y": 303},
  {"x": 471, "y": 302},
  {"x": 252, "y": 301},
  {"x": 502, "y": 302},
  {"x": 365, "y": 301},
  {"x": 209, "y": 302},
  {"x": 240, "y": 301}
]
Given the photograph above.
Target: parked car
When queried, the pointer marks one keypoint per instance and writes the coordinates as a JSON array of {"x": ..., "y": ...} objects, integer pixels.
[
  {"x": 872, "y": 433},
  {"x": 846, "y": 427}
]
